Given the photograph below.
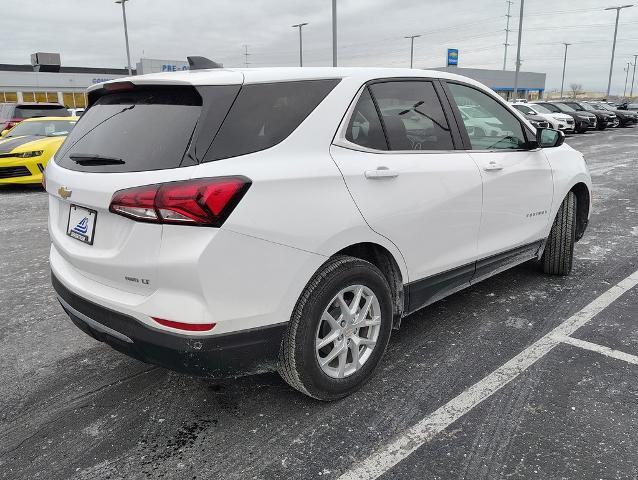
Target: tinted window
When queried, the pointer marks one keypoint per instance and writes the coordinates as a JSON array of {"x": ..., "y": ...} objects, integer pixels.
[
  {"x": 489, "y": 124},
  {"x": 28, "y": 111},
  {"x": 412, "y": 116},
  {"x": 146, "y": 128},
  {"x": 365, "y": 127},
  {"x": 265, "y": 114},
  {"x": 551, "y": 107},
  {"x": 574, "y": 105},
  {"x": 564, "y": 108},
  {"x": 49, "y": 128}
]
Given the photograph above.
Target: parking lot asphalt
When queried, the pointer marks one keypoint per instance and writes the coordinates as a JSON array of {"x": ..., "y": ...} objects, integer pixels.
[{"x": 72, "y": 408}]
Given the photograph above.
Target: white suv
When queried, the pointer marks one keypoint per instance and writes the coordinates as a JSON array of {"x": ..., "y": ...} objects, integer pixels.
[
  {"x": 558, "y": 121},
  {"x": 232, "y": 221}
]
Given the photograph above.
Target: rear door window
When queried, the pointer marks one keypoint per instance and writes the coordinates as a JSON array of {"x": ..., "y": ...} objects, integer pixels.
[
  {"x": 265, "y": 114},
  {"x": 365, "y": 128},
  {"x": 412, "y": 115}
]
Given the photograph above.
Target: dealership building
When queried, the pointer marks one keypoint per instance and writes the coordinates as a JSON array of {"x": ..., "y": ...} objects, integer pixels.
[
  {"x": 46, "y": 80},
  {"x": 531, "y": 85}
]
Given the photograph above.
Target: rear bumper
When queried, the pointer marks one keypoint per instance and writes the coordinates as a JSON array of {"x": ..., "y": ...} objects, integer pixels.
[{"x": 225, "y": 355}]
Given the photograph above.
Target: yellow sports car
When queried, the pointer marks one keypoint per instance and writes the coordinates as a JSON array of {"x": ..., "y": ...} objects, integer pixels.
[{"x": 27, "y": 147}]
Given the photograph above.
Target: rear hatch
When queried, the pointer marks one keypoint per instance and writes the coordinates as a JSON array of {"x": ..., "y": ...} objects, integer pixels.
[{"x": 129, "y": 137}]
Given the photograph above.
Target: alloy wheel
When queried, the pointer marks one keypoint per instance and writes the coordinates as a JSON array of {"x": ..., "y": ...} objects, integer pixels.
[{"x": 348, "y": 331}]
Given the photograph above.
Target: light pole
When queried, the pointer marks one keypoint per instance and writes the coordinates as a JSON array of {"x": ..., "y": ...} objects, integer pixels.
[
  {"x": 334, "y": 33},
  {"x": 412, "y": 37},
  {"x": 633, "y": 77},
  {"x": 624, "y": 93},
  {"x": 613, "y": 48},
  {"x": 299, "y": 25},
  {"x": 507, "y": 33},
  {"x": 128, "y": 52},
  {"x": 518, "y": 49},
  {"x": 562, "y": 83}
]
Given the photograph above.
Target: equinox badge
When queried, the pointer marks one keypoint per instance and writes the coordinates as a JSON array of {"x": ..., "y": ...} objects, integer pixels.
[{"x": 64, "y": 193}]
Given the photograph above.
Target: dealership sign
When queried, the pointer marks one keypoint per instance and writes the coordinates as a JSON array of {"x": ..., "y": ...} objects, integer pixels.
[
  {"x": 452, "y": 57},
  {"x": 173, "y": 68}
]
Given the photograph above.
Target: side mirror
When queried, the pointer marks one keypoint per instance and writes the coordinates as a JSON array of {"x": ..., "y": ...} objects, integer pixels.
[
  {"x": 4, "y": 132},
  {"x": 549, "y": 138}
]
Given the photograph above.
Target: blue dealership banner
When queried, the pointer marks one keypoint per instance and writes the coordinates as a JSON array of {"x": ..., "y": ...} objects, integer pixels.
[{"x": 452, "y": 57}]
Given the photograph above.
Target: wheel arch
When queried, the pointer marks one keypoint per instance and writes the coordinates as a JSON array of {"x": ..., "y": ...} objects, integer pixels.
[
  {"x": 583, "y": 202},
  {"x": 385, "y": 261}
]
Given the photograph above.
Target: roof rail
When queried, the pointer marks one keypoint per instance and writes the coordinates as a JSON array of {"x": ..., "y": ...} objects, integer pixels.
[{"x": 202, "y": 63}]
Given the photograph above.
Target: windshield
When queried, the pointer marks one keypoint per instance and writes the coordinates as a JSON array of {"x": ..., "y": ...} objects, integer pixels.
[
  {"x": 564, "y": 108},
  {"x": 548, "y": 106},
  {"x": 541, "y": 109},
  {"x": 48, "y": 128},
  {"x": 525, "y": 109},
  {"x": 587, "y": 107}
]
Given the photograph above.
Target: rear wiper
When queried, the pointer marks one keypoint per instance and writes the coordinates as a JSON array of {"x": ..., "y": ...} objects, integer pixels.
[{"x": 94, "y": 159}]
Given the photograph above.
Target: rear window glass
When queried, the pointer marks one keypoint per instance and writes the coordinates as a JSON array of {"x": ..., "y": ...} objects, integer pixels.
[
  {"x": 28, "y": 111},
  {"x": 265, "y": 114},
  {"x": 144, "y": 129}
]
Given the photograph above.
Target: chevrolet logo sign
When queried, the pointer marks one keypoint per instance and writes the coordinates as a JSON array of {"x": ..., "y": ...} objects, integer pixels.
[{"x": 64, "y": 192}]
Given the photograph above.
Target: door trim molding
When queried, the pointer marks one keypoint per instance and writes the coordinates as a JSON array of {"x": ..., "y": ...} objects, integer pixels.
[{"x": 421, "y": 293}]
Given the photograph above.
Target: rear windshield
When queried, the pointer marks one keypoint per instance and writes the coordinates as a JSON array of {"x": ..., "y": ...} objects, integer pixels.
[
  {"x": 160, "y": 127},
  {"x": 143, "y": 129},
  {"x": 32, "y": 111}
]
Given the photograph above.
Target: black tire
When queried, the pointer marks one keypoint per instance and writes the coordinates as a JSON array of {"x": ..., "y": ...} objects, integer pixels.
[
  {"x": 298, "y": 364},
  {"x": 558, "y": 256}
]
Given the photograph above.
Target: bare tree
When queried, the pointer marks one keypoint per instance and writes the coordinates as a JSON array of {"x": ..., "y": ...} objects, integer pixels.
[{"x": 576, "y": 89}]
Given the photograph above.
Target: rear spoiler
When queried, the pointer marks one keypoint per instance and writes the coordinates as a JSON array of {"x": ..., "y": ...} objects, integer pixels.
[{"x": 202, "y": 63}]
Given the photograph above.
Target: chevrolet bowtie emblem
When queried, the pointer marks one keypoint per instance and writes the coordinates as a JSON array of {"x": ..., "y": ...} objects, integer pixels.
[{"x": 64, "y": 193}]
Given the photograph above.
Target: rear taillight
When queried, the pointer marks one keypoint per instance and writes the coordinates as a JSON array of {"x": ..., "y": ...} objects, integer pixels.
[
  {"x": 12, "y": 123},
  {"x": 203, "y": 201}
]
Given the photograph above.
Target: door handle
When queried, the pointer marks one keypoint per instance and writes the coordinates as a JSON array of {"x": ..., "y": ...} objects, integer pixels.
[
  {"x": 493, "y": 166},
  {"x": 381, "y": 172}
]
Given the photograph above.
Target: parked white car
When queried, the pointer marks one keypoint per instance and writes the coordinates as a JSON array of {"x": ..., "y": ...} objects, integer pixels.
[
  {"x": 76, "y": 112},
  {"x": 558, "y": 121},
  {"x": 224, "y": 221},
  {"x": 477, "y": 126}
]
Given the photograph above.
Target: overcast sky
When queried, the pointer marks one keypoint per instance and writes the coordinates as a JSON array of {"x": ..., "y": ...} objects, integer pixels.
[{"x": 90, "y": 33}]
